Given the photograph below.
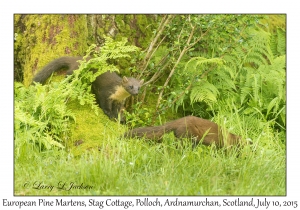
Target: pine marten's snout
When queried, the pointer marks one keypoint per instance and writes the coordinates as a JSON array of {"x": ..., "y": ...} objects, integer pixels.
[{"x": 135, "y": 92}]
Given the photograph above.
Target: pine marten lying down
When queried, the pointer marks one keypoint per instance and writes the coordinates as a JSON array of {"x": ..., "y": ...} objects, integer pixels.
[{"x": 198, "y": 129}]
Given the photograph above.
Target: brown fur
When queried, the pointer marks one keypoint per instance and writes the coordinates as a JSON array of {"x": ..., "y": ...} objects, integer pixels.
[
  {"x": 66, "y": 62},
  {"x": 201, "y": 130}
]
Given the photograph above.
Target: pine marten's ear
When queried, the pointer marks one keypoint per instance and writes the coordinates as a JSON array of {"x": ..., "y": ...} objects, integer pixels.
[
  {"x": 125, "y": 79},
  {"x": 142, "y": 81}
]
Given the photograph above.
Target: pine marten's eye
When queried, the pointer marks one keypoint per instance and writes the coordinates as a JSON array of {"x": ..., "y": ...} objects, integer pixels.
[{"x": 131, "y": 87}]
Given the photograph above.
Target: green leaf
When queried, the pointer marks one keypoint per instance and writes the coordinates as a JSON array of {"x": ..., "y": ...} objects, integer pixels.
[{"x": 272, "y": 104}]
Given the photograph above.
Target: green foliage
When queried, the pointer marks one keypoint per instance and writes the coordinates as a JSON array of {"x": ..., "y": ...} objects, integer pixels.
[
  {"x": 101, "y": 61},
  {"x": 260, "y": 78},
  {"x": 137, "y": 167},
  {"x": 41, "y": 113},
  {"x": 238, "y": 59},
  {"x": 264, "y": 91},
  {"x": 204, "y": 91},
  {"x": 278, "y": 42},
  {"x": 232, "y": 71},
  {"x": 41, "y": 117},
  {"x": 141, "y": 117}
]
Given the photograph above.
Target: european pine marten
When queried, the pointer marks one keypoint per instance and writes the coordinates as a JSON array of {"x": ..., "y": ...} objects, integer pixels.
[
  {"x": 110, "y": 89},
  {"x": 188, "y": 127}
]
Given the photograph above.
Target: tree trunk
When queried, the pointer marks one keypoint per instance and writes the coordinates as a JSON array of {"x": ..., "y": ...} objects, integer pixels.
[{"x": 41, "y": 38}]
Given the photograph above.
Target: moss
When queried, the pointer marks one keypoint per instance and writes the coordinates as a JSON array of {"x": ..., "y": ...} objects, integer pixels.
[
  {"x": 46, "y": 37},
  {"x": 91, "y": 131},
  {"x": 42, "y": 38},
  {"x": 137, "y": 28}
]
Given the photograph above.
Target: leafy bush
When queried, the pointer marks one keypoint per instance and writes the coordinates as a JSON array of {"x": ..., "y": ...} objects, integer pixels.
[
  {"x": 211, "y": 60},
  {"x": 41, "y": 113}
]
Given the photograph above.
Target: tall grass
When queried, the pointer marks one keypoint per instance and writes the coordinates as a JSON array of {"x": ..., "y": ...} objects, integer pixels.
[
  {"x": 107, "y": 164},
  {"x": 137, "y": 167}
]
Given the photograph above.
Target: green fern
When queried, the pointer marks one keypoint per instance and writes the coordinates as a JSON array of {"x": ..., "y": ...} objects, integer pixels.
[
  {"x": 278, "y": 42},
  {"x": 259, "y": 75},
  {"x": 198, "y": 63},
  {"x": 258, "y": 48},
  {"x": 204, "y": 91},
  {"x": 41, "y": 114},
  {"x": 223, "y": 79}
]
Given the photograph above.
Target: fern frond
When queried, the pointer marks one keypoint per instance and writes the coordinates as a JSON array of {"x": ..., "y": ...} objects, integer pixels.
[
  {"x": 279, "y": 64},
  {"x": 204, "y": 91},
  {"x": 197, "y": 64},
  {"x": 281, "y": 43},
  {"x": 223, "y": 78},
  {"x": 259, "y": 50},
  {"x": 233, "y": 60},
  {"x": 246, "y": 83}
]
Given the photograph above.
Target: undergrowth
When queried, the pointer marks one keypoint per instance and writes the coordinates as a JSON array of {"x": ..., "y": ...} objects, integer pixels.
[
  {"x": 62, "y": 137},
  {"x": 42, "y": 116},
  {"x": 136, "y": 167},
  {"x": 101, "y": 162}
]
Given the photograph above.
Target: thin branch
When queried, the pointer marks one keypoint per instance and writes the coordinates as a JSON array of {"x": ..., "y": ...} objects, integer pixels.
[
  {"x": 175, "y": 66},
  {"x": 150, "y": 50},
  {"x": 151, "y": 57},
  {"x": 157, "y": 73}
]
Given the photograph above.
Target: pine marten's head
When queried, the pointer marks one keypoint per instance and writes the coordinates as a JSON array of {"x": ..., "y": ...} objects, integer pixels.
[{"x": 132, "y": 85}]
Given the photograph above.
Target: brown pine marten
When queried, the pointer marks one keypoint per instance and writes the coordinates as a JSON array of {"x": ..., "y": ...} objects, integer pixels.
[
  {"x": 110, "y": 89},
  {"x": 200, "y": 130}
]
